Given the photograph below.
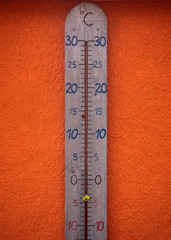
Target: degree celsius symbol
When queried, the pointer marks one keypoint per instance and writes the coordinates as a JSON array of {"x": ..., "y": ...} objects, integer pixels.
[{"x": 86, "y": 123}]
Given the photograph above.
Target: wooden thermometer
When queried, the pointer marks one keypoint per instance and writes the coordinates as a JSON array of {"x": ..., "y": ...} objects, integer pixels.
[{"x": 86, "y": 123}]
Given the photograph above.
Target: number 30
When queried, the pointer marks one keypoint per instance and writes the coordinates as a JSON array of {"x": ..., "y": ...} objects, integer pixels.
[
  {"x": 100, "y": 41},
  {"x": 71, "y": 41}
]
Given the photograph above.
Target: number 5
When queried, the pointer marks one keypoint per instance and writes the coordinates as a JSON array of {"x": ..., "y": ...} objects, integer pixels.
[{"x": 75, "y": 156}]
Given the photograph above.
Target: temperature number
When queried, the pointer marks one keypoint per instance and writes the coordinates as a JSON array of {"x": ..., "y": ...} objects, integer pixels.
[
  {"x": 72, "y": 64},
  {"x": 74, "y": 180},
  {"x": 97, "y": 64},
  {"x": 71, "y": 41},
  {"x": 73, "y": 111},
  {"x": 101, "y": 88},
  {"x": 72, "y": 88},
  {"x": 96, "y": 203},
  {"x": 101, "y": 133},
  {"x": 96, "y": 157},
  {"x": 75, "y": 156},
  {"x": 98, "y": 179},
  {"x": 72, "y": 225},
  {"x": 75, "y": 203},
  {"x": 100, "y": 226},
  {"x": 98, "y": 111},
  {"x": 72, "y": 134},
  {"x": 100, "y": 41}
]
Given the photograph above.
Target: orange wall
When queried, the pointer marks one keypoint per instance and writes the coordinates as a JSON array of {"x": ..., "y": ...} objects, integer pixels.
[{"x": 32, "y": 120}]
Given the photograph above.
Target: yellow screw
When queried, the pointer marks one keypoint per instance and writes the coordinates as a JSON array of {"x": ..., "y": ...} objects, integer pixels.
[{"x": 86, "y": 198}]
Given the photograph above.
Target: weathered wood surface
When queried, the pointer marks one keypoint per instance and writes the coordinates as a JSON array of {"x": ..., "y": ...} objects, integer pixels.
[{"x": 85, "y": 22}]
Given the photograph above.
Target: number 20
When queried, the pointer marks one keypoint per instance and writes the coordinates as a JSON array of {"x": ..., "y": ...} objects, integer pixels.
[
  {"x": 72, "y": 88},
  {"x": 101, "y": 88}
]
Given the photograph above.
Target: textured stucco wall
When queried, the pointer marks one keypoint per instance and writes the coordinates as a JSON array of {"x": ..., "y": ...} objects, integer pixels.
[{"x": 32, "y": 119}]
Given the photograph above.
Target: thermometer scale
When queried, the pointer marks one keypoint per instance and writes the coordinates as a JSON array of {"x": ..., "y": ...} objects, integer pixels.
[{"x": 86, "y": 123}]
